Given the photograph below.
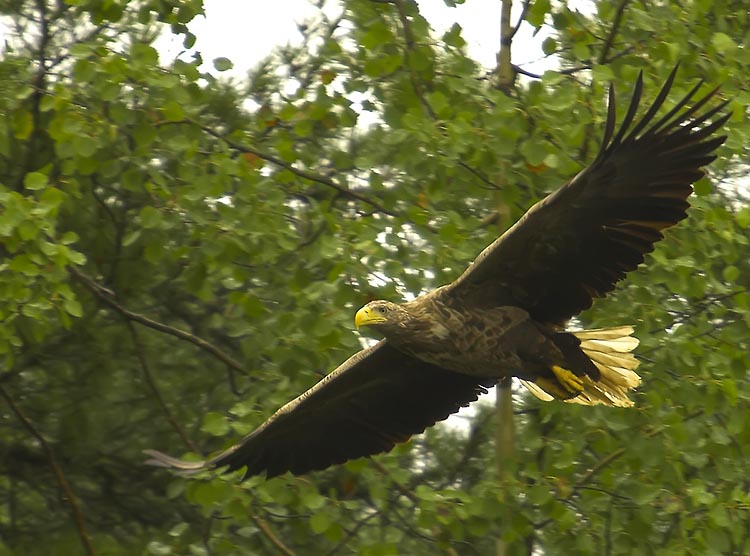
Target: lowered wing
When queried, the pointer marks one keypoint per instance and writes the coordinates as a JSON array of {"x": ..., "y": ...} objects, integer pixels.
[{"x": 375, "y": 399}]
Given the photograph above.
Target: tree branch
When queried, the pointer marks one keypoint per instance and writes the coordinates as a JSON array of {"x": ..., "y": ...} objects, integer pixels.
[
  {"x": 323, "y": 180},
  {"x": 68, "y": 495},
  {"x": 506, "y": 75},
  {"x": 605, "y": 462},
  {"x": 418, "y": 90},
  {"x": 106, "y": 296},
  {"x": 524, "y": 10},
  {"x": 411, "y": 46},
  {"x": 270, "y": 535},
  {"x": 149, "y": 378},
  {"x": 613, "y": 31}
]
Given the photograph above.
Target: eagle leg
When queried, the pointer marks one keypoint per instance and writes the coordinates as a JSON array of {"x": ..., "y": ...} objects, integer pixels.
[
  {"x": 551, "y": 388},
  {"x": 568, "y": 380}
]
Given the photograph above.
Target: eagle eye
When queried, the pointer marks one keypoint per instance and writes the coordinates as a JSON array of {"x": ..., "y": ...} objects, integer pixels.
[{"x": 382, "y": 310}]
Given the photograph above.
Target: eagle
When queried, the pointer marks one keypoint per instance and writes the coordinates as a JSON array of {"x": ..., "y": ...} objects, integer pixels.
[{"x": 506, "y": 315}]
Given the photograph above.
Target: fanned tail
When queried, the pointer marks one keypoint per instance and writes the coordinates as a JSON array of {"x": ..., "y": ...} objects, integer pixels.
[{"x": 609, "y": 349}]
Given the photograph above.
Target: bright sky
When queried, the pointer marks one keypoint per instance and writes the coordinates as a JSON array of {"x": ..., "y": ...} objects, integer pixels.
[{"x": 245, "y": 32}]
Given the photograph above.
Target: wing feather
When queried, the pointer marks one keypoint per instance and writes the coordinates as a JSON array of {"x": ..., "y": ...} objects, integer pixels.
[
  {"x": 376, "y": 399},
  {"x": 578, "y": 242}
]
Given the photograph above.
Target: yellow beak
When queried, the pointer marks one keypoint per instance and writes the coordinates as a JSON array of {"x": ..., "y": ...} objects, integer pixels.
[{"x": 364, "y": 317}]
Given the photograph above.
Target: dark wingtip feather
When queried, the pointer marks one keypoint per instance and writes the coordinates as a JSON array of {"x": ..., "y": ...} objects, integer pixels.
[
  {"x": 672, "y": 117},
  {"x": 657, "y": 103},
  {"x": 635, "y": 100},
  {"x": 609, "y": 126}
]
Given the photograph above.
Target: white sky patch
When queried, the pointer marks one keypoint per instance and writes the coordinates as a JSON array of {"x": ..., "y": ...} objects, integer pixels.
[{"x": 246, "y": 32}]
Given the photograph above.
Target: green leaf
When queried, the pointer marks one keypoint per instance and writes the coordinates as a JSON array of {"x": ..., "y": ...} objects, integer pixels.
[
  {"x": 743, "y": 217},
  {"x": 215, "y": 424},
  {"x": 320, "y": 522},
  {"x": 22, "y": 124},
  {"x": 549, "y": 46},
  {"x": 731, "y": 273},
  {"x": 377, "y": 34},
  {"x": 68, "y": 238},
  {"x": 537, "y": 12},
  {"x": 150, "y": 217},
  {"x": 453, "y": 37},
  {"x": 73, "y": 307},
  {"x": 85, "y": 146},
  {"x": 173, "y": 112},
  {"x": 723, "y": 43},
  {"x": 158, "y": 549},
  {"x": 702, "y": 187},
  {"x": 145, "y": 135},
  {"x": 223, "y": 64},
  {"x": 23, "y": 265},
  {"x": 131, "y": 238},
  {"x": 144, "y": 55},
  {"x": 534, "y": 151},
  {"x": 51, "y": 198},
  {"x": 35, "y": 181}
]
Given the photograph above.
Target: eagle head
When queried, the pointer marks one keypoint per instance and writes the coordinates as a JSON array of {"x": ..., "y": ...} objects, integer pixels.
[{"x": 384, "y": 316}]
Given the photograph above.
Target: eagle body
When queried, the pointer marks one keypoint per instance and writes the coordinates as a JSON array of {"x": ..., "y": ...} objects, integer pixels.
[
  {"x": 494, "y": 342},
  {"x": 506, "y": 314}
]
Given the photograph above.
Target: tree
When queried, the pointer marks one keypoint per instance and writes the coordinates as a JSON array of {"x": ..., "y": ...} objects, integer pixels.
[{"x": 176, "y": 265}]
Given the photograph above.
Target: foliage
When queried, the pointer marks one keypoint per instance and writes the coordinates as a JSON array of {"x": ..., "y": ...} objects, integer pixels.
[{"x": 175, "y": 246}]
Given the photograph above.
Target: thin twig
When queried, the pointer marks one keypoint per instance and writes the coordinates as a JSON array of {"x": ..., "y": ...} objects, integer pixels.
[
  {"x": 401, "y": 488},
  {"x": 317, "y": 178},
  {"x": 613, "y": 32},
  {"x": 149, "y": 378},
  {"x": 410, "y": 47},
  {"x": 524, "y": 10},
  {"x": 105, "y": 295},
  {"x": 270, "y": 535},
  {"x": 576, "y": 69},
  {"x": 350, "y": 533},
  {"x": 488, "y": 182},
  {"x": 608, "y": 460},
  {"x": 416, "y": 85},
  {"x": 68, "y": 495}
]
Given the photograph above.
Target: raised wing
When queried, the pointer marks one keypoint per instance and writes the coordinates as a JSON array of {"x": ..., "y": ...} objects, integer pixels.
[
  {"x": 375, "y": 399},
  {"x": 575, "y": 244}
]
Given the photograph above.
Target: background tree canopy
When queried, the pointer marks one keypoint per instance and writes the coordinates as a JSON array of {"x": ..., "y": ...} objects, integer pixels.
[{"x": 181, "y": 255}]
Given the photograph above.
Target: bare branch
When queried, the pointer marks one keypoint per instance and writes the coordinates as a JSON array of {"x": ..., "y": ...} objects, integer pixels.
[
  {"x": 606, "y": 461},
  {"x": 323, "y": 180},
  {"x": 411, "y": 46},
  {"x": 106, "y": 296},
  {"x": 506, "y": 75},
  {"x": 270, "y": 535},
  {"x": 524, "y": 10},
  {"x": 149, "y": 378},
  {"x": 68, "y": 495},
  {"x": 613, "y": 31}
]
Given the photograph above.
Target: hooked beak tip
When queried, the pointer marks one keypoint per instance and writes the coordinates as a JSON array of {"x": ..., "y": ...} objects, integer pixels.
[{"x": 361, "y": 318}]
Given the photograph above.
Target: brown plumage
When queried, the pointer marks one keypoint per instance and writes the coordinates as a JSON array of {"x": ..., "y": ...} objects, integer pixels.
[{"x": 505, "y": 315}]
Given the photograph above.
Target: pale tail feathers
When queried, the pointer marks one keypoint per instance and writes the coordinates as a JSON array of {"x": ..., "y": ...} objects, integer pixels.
[
  {"x": 537, "y": 391},
  {"x": 610, "y": 350}
]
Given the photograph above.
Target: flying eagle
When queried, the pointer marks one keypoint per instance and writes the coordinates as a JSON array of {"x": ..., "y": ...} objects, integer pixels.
[{"x": 505, "y": 315}]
